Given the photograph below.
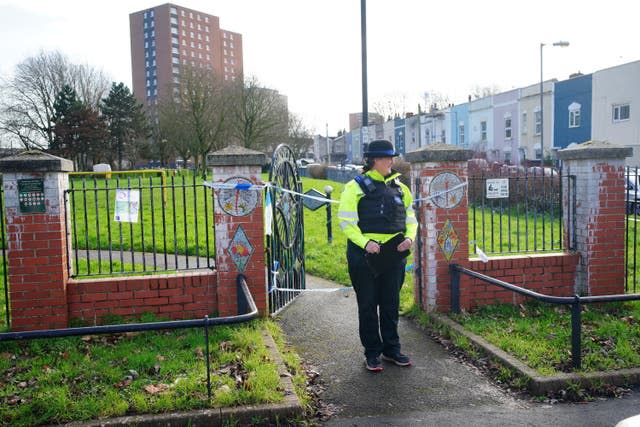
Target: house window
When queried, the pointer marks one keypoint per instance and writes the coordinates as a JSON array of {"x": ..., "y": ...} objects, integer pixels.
[
  {"x": 621, "y": 112},
  {"x": 507, "y": 127},
  {"x": 483, "y": 131},
  {"x": 461, "y": 133},
  {"x": 507, "y": 157},
  {"x": 523, "y": 123},
  {"x": 538, "y": 120},
  {"x": 574, "y": 115},
  {"x": 538, "y": 153}
]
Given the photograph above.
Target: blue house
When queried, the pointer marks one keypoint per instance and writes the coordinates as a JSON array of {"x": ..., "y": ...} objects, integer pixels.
[
  {"x": 399, "y": 133},
  {"x": 572, "y": 111},
  {"x": 460, "y": 125}
]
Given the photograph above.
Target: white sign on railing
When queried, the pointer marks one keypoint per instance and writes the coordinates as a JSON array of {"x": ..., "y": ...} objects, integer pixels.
[
  {"x": 127, "y": 205},
  {"x": 498, "y": 188}
]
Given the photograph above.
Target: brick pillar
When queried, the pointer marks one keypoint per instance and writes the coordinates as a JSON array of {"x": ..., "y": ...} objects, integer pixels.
[
  {"x": 600, "y": 214},
  {"x": 443, "y": 220},
  {"x": 34, "y": 185},
  {"x": 239, "y": 227}
]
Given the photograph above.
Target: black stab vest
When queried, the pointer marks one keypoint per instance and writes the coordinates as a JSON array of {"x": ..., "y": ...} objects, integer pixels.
[{"x": 382, "y": 210}]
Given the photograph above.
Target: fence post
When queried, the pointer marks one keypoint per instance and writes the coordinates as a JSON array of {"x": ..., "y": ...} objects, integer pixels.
[
  {"x": 34, "y": 185},
  {"x": 239, "y": 227},
  {"x": 576, "y": 333},
  {"x": 444, "y": 229},
  {"x": 328, "y": 190},
  {"x": 600, "y": 215},
  {"x": 455, "y": 288}
]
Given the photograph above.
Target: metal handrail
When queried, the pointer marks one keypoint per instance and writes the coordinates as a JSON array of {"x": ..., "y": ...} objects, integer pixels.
[
  {"x": 575, "y": 301},
  {"x": 245, "y": 303}
]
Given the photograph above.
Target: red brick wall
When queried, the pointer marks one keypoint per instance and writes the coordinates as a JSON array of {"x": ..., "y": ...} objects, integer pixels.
[
  {"x": 604, "y": 229},
  {"x": 184, "y": 296},
  {"x": 37, "y": 271},
  {"x": 545, "y": 274}
]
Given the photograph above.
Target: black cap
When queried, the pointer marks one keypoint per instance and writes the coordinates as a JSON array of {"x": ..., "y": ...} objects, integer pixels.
[{"x": 380, "y": 148}]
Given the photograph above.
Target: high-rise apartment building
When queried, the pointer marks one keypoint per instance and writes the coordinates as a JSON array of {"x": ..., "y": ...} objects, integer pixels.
[{"x": 166, "y": 37}]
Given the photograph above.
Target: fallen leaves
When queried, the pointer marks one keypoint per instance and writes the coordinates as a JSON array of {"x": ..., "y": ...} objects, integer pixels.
[{"x": 156, "y": 388}]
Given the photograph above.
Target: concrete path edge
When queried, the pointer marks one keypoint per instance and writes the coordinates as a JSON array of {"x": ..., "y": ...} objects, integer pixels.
[
  {"x": 538, "y": 384},
  {"x": 289, "y": 408}
]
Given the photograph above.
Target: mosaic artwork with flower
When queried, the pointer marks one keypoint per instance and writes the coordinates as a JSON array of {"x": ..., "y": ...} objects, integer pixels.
[
  {"x": 448, "y": 240},
  {"x": 240, "y": 249}
]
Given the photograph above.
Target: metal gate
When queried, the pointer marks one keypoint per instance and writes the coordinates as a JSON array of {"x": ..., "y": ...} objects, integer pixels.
[{"x": 285, "y": 245}]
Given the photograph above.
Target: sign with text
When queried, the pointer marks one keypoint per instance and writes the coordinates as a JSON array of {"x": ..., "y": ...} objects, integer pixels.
[
  {"x": 127, "y": 205},
  {"x": 498, "y": 188},
  {"x": 31, "y": 195}
]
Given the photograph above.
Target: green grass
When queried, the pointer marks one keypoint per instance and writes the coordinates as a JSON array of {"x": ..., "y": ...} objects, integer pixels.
[
  {"x": 65, "y": 379},
  {"x": 172, "y": 213},
  {"x": 540, "y": 334},
  {"x": 514, "y": 231}
]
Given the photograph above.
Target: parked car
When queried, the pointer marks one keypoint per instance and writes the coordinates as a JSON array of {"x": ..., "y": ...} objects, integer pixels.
[
  {"x": 304, "y": 161},
  {"x": 632, "y": 197}
]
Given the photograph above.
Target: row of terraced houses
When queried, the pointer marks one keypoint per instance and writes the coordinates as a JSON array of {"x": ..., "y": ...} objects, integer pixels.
[{"x": 506, "y": 127}]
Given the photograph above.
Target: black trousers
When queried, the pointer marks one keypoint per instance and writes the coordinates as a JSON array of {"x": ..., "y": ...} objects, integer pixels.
[{"x": 378, "y": 302}]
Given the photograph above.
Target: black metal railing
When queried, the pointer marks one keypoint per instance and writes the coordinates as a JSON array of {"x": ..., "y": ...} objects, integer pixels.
[
  {"x": 632, "y": 207},
  {"x": 521, "y": 211},
  {"x": 247, "y": 310},
  {"x": 575, "y": 302},
  {"x": 138, "y": 225}
]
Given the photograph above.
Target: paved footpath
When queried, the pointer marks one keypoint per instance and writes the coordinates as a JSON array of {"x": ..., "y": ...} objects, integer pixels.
[{"x": 437, "y": 391}]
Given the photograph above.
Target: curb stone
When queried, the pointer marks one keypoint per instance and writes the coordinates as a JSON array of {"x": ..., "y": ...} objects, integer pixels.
[
  {"x": 538, "y": 384},
  {"x": 244, "y": 415}
]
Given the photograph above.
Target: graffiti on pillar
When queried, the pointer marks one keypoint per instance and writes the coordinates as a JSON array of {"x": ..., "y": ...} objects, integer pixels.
[
  {"x": 448, "y": 239},
  {"x": 446, "y": 190},
  {"x": 238, "y": 201},
  {"x": 240, "y": 249}
]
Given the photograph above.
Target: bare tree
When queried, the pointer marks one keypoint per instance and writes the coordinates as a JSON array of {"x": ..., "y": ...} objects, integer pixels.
[
  {"x": 258, "y": 116},
  {"x": 26, "y": 100},
  {"x": 393, "y": 106},
  {"x": 300, "y": 139},
  {"x": 478, "y": 92},
  {"x": 193, "y": 114}
]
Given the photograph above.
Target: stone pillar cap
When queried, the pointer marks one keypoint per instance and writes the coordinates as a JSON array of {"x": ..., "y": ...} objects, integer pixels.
[
  {"x": 35, "y": 161},
  {"x": 439, "y": 153},
  {"x": 234, "y": 155},
  {"x": 595, "y": 150}
]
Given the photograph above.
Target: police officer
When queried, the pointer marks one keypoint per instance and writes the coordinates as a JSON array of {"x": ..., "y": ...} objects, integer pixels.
[{"x": 376, "y": 208}]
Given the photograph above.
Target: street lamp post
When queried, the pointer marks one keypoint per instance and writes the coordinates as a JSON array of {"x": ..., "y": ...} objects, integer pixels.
[{"x": 561, "y": 44}]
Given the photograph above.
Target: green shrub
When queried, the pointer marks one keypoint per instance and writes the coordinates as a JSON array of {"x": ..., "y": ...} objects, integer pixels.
[{"x": 317, "y": 170}]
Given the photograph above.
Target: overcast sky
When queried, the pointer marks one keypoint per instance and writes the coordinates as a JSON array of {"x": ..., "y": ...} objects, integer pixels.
[{"x": 309, "y": 50}]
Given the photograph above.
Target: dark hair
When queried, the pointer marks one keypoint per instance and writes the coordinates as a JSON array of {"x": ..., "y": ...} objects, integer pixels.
[{"x": 368, "y": 164}]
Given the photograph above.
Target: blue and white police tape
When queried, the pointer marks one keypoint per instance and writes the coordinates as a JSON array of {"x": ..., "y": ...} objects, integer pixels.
[
  {"x": 273, "y": 287},
  {"x": 441, "y": 193},
  {"x": 246, "y": 187}
]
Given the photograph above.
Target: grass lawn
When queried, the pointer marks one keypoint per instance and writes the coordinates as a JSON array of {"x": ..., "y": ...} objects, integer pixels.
[
  {"x": 540, "y": 334},
  {"x": 59, "y": 380},
  {"x": 66, "y": 379}
]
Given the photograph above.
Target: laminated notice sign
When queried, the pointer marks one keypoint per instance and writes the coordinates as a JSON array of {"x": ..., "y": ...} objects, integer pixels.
[
  {"x": 498, "y": 188},
  {"x": 127, "y": 205}
]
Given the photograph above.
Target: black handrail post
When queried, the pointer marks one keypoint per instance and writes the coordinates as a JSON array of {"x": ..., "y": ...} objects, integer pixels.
[
  {"x": 576, "y": 333},
  {"x": 455, "y": 288},
  {"x": 242, "y": 300},
  {"x": 328, "y": 189},
  {"x": 206, "y": 344}
]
